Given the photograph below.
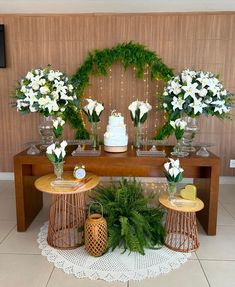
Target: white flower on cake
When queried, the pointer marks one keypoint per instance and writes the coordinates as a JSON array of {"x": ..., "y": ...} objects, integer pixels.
[
  {"x": 56, "y": 153},
  {"x": 139, "y": 111},
  {"x": 93, "y": 110},
  {"x": 45, "y": 91}
]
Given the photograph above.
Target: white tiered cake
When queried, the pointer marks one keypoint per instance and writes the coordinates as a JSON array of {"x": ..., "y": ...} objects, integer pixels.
[{"x": 115, "y": 138}]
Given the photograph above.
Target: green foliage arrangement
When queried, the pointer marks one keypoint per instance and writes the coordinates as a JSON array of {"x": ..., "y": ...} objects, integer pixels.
[
  {"x": 132, "y": 224},
  {"x": 98, "y": 63}
]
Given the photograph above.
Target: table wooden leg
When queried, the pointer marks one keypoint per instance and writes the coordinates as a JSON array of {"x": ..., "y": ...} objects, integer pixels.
[
  {"x": 29, "y": 200},
  {"x": 208, "y": 189}
]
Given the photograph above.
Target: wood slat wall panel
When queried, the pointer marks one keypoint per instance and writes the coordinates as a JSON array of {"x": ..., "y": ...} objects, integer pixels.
[{"x": 193, "y": 40}]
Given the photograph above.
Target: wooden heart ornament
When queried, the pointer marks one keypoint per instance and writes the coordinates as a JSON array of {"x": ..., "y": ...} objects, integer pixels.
[{"x": 189, "y": 192}]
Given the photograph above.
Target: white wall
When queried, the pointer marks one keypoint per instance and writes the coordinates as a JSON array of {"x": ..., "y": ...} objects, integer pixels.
[{"x": 125, "y": 6}]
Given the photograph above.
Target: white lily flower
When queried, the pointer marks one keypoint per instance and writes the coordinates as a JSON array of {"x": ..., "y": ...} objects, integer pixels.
[
  {"x": 190, "y": 90},
  {"x": 143, "y": 110},
  {"x": 29, "y": 76},
  {"x": 174, "y": 163},
  {"x": 177, "y": 103},
  {"x": 203, "y": 93},
  {"x": 167, "y": 166},
  {"x": 63, "y": 144},
  {"x": 50, "y": 148},
  {"x": 198, "y": 106},
  {"x": 32, "y": 109},
  {"x": 98, "y": 109},
  {"x": 175, "y": 88},
  {"x": 57, "y": 152},
  {"x": 174, "y": 171},
  {"x": 133, "y": 107},
  {"x": 44, "y": 90},
  {"x": 42, "y": 101}
]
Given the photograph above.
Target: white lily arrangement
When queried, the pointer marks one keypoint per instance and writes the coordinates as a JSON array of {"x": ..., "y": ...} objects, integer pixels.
[
  {"x": 58, "y": 124},
  {"x": 56, "y": 152},
  {"x": 45, "y": 91},
  {"x": 93, "y": 110},
  {"x": 195, "y": 93},
  {"x": 173, "y": 173},
  {"x": 179, "y": 126},
  {"x": 139, "y": 111}
]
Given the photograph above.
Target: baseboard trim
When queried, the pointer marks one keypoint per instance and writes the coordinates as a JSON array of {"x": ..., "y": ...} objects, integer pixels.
[{"x": 223, "y": 179}]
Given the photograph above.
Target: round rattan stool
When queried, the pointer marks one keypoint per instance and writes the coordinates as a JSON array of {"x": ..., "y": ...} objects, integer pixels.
[
  {"x": 67, "y": 211},
  {"x": 181, "y": 224}
]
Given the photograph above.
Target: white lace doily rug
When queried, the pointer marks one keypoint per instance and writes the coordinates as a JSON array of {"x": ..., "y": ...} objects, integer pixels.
[{"x": 112, "y": 266}]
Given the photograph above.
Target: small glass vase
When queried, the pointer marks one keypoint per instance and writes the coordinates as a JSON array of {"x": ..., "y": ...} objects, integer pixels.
[
  {"x": 94, "y": 135},
  {"x": 58, "y": 170},
  {"x": 137, "y": 136},
  {"x": 190, "y": 132},
  {"x": 172, "y": 189},
  {"x": 177, "y": 151},
  {"x": 46, "y": 132}
]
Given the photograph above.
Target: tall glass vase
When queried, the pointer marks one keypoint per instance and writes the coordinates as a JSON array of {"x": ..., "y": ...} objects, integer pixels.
[
  {"x": 46, "y": 132},
  {"x": 172, "y": 189},
  {"x": 137, "y": 136},
  {"x": 94, "y": 135},
  {"x": 58, "y": 170},
  {"x": 189, "y": 134}
]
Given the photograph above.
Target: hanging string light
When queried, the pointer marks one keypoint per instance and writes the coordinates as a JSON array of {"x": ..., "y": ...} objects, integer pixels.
[{"x": 110, "y": 93}]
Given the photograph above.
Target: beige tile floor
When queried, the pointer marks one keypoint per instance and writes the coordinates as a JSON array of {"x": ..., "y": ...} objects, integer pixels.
[{"x": 22, "y": 265}]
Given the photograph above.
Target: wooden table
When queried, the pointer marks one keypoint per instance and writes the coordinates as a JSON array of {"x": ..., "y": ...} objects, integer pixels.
[
  {"x": 27, "y": 168},
  {"x": 181, "y": 224},
  {"x": 68, "y": 209}
]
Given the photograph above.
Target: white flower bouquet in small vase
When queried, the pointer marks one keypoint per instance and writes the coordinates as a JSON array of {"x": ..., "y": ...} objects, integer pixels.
[
  {"x": 56, "y": 153},
  {"x": 93, "y": 111},
  {"x": 58, "y": 124},
  {"x": 179, "y": 127},
  {"x": 174, "y": 174},
  {"x": 139, "y": 112}
]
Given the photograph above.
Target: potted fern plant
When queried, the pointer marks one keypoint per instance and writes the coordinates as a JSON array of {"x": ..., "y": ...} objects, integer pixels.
[{"x": 132, "y": 223}]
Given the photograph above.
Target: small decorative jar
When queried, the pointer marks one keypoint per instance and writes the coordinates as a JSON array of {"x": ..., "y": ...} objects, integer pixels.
[{"x": 96, "y": 234}]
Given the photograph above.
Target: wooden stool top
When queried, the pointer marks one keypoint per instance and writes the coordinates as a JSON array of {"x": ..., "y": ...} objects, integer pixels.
[
  {"x": 44, "y": 183},
  {"x": 182, "y": 205}
]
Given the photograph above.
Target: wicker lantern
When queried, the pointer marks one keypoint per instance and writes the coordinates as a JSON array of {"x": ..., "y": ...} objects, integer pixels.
[{"x": 96, "y": 235}]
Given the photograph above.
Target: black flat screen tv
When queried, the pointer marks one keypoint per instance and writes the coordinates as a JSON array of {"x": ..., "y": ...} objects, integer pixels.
[{"x": 2, "y": 47}]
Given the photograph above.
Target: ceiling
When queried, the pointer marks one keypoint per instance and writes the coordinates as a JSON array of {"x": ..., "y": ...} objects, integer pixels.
[{"x": 116, "y": 6}]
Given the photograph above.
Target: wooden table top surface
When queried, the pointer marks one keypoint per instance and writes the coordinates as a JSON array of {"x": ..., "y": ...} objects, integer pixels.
[
  {"x": 44, "y": 183},
  {"x": 182, "y": 205}
]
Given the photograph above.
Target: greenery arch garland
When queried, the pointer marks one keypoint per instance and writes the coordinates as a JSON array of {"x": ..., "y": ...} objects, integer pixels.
[{"x": 98, "y": 63}]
